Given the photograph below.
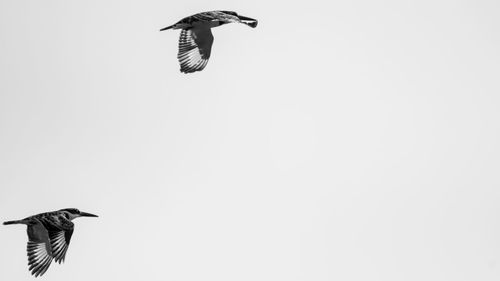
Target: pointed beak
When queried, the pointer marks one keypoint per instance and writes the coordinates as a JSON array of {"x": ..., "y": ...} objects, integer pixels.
[
  {"x": 248, "y": 21},
  {"x": 83, "y": 214}
]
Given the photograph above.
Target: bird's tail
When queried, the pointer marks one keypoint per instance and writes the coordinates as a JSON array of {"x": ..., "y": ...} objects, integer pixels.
[
  {"x": 12, "y": 222},
  {"x": 168, "y": 27}
]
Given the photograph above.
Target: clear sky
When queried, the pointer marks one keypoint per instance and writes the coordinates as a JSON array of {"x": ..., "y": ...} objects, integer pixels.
[{"x": 338, "y": 140}]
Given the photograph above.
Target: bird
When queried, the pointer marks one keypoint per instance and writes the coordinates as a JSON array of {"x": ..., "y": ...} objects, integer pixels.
[
  {"x": 195, "y": 41},
  {"x": 49, "y": 235}
]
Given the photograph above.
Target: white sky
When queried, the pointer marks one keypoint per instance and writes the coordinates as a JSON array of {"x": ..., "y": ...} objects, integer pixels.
[{"x": 346, "y": 140}]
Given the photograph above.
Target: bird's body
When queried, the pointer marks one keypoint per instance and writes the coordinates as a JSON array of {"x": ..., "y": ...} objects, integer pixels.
[
  {"x": 49, "y": 235},
  {"x": 195, "y": 42}
]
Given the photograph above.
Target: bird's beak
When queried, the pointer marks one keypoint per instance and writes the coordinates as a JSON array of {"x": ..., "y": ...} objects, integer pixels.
[
  {"x": 248, "y": 21},
  {"x": 83, "y": 214}
]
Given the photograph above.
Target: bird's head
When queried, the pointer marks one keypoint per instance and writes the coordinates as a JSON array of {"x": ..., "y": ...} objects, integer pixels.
[
  {"x": 230, "y": 16},
  {"x": 72, "y": 213}
]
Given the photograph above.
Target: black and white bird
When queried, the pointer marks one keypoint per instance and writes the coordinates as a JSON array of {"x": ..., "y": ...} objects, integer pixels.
[
  {"x": 195, "y": 42},
  {"x": 49, "y": 235}
]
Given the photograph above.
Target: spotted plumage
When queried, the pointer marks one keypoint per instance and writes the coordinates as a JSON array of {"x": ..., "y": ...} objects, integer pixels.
[
  {"x": 195, "y": 41},
  {"x": 49, "y": 235}
]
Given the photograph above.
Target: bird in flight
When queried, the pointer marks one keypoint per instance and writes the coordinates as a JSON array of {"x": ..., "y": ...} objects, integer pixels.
[
  {"x": 49, "y": 235},
  {"x": 195, "y": 42}
]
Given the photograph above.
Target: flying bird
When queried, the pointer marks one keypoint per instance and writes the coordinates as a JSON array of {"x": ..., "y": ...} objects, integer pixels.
[
  {"x": 195, "y": 42},
  {"x": 49, "y": 235}
]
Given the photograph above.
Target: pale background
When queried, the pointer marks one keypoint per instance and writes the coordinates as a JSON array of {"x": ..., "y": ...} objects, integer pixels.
[{"x": 344, "y": 140}]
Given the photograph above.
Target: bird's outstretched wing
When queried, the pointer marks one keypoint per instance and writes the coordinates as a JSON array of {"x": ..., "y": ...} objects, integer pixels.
[
  {"x": 39, "y": 249},
  {"x": 60, "y": 238},
  {"x": 195, "y": 46}
]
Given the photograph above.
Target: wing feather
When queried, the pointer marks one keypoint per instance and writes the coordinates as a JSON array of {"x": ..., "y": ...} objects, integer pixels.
[
  {"x": 195, "y": 46},
  {"x": 60, "y": 243},
  {"x": 39, "y": 249},
  {"x": 60, "y": 237}
]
